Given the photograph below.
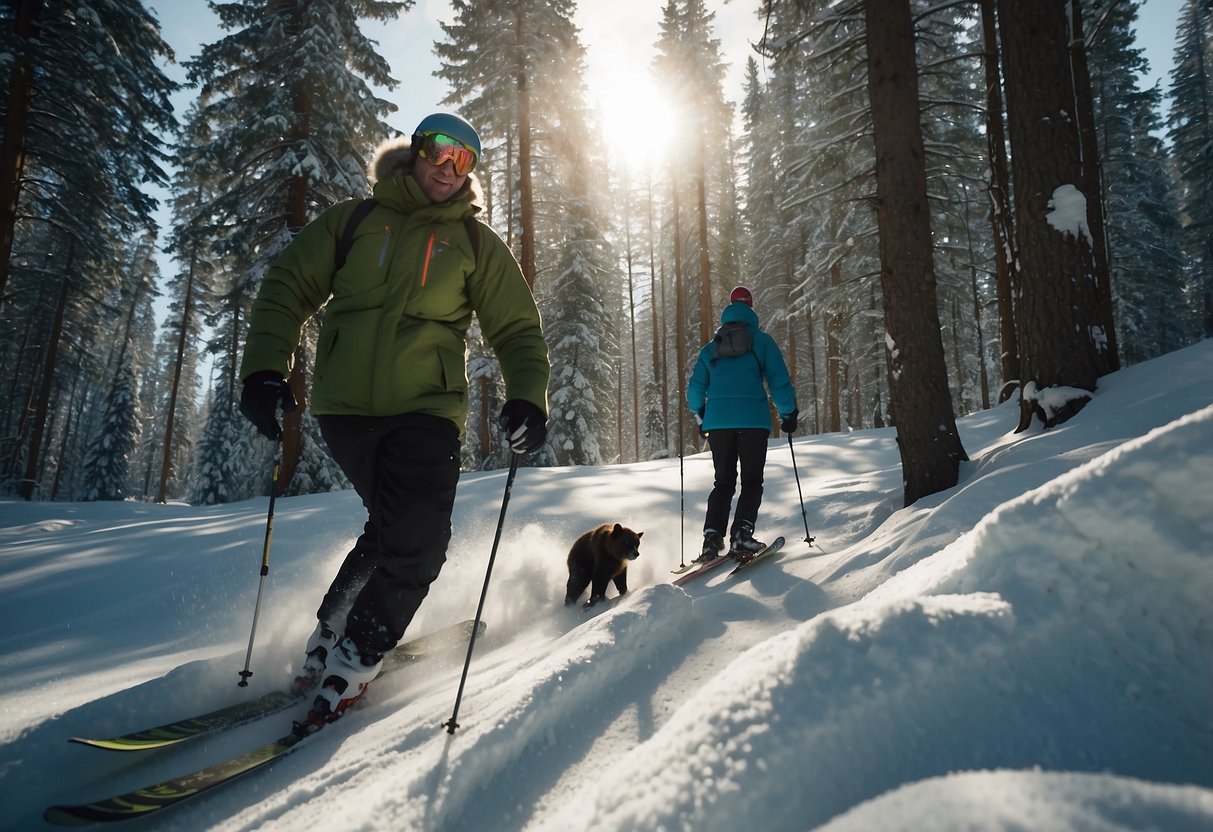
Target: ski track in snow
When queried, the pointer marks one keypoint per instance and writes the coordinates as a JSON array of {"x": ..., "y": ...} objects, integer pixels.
[{"x": 1030, "y": 649}]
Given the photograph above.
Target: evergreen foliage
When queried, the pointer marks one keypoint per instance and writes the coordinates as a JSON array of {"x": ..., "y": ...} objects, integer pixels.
[
  {"x": 106, "y": 474},
  {"x": 584, "y": 350},
  {"x": 1190, "y": 129},
  {"x": 284, "y": 117},
  {"x": 1143, "y": 221},
  {"x": 75, "y": 188}
]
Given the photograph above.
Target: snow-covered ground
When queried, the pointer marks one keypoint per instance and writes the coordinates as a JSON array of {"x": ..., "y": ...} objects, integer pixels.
[{"x": 1032, "y": 649}]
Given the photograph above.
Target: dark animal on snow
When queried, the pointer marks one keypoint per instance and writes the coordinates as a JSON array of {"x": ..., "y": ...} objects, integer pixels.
[{"x": 599, "y": 557}]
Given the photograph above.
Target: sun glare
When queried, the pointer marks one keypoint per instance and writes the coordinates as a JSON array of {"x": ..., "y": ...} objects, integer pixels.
[{"x": 635, "y": 114}]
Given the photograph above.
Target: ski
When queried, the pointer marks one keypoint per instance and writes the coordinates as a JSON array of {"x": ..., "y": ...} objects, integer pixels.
[
  {"x": 167, "y": 793},
  {"x": 700, "y": 569},
  {"x": 773, "y": 548},
  {"x": 143, "y": 802},
  {"x": 233, "y": 716},
  {"x": 688, "y": 576}
]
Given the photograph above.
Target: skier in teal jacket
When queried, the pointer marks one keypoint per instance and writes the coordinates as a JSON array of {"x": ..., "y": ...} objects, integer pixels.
[{"x": 728, "y": 395}]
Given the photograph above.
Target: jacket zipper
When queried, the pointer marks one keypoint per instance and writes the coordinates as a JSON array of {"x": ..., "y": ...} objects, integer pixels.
[
  {"x": 425, "y": 267},
  {"x": 387, "y": 238}
]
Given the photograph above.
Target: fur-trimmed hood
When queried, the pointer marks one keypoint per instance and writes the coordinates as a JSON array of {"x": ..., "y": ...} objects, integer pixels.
[{"x": 395, "y": 157}]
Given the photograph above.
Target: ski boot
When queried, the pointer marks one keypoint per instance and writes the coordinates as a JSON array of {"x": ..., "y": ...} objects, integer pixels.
[
  {"x": 712, "y": 544},
  {"x": 742, "y": 545}
]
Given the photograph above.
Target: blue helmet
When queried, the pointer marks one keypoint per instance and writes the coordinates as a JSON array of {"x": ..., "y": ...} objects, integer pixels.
[{"x": 450, "y": 125}]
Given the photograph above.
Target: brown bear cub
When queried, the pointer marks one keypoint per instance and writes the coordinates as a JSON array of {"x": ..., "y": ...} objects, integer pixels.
[{"x": 598, "y": 557}]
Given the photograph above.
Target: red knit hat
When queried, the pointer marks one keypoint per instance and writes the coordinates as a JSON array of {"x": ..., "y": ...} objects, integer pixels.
[{"x": 741, "y": 293}]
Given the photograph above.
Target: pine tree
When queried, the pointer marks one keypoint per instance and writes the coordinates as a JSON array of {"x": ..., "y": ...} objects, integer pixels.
[
  {"x": 515, "y": 69},
  {"x": 290, "y": 118},
  {"x": 828, "y": 185},
  {"x": 1143, "y": 220},
  {"x": 64, "y": 216},
  {"x": 111, "y": 458},
  {"x": 1190, "y": 129},
  {"x": 948, "y": 47},
  {"x": 106, "y": 472},
  {"x": 92, "y": 67},
  {"x": 583, "y": 348},
  {"x": 689, "y": 65},
  {"x": 220, "y": 474}
]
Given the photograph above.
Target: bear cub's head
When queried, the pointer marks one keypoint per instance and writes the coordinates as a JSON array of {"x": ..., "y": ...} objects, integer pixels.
[{"x": 624, "y": 543}]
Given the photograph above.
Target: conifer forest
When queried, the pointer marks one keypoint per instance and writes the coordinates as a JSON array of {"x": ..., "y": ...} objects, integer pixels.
[{"x": 937, "y": 206}]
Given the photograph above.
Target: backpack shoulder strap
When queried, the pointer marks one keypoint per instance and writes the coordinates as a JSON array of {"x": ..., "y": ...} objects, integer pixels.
[
  {"x": 472, "y": 226},
  {"x": 346, "y": 242}
]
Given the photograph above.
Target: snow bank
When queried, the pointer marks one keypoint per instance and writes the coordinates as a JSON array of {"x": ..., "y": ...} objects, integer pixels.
[{"x": 1079, "y": 606}]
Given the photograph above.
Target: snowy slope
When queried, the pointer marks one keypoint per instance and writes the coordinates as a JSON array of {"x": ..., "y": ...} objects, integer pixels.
[{"x": 1032, "y": 649}]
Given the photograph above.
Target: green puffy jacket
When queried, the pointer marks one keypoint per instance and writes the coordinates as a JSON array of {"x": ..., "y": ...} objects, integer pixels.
[{"x": 393, "y": 336}]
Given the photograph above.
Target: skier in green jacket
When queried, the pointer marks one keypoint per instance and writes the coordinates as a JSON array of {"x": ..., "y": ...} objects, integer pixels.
[{"x": 390, "y": 386}]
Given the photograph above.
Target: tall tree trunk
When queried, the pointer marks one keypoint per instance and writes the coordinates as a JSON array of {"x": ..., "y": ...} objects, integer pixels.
[
  {"x": 680, "y": 319},
  {"x": 706, "y": 319},
  {"x": 834, "y": 353},
  {"x": 957, "y": 360},
  {"x": 29, "y": 482},
  {"x": 166, "y": 464},
  {"x": 877, "y": 366},
  {"x": 983, "y": 374},
  {"x": 69, "y": 409},
  {"x": 1001, "y": 220},
  {"x": 931, "y": 451},
  {"x": 660, "y": 376},
  {"x": 526, "y": 196},
  {"x": 632, "y": 329},
  {"x": 16, "y": 124},
  {"x": 1059, "y": 317},
  {"x": 1092, "y": 173},
  {"x": 296, "y": 218},
  {"x": 1204, "y": 70}
]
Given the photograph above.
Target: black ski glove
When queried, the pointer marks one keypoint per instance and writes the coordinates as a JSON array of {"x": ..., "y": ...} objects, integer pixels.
[
  {"x": 788, "y": 425},
  {"x": 263, "y": 391},
  {"x": 524, "y": 425},
  {"x": 699, "y": 422}
]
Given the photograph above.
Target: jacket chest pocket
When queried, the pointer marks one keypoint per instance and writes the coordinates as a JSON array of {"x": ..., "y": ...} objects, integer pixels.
[
  {"x": 444, "y": 269},
  {"x": 364, "y": 277}
]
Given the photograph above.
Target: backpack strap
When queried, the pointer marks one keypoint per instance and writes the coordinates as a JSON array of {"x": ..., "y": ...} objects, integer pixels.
[
  {"x": 347, "y": 234},
  {"x": 470, "y": 224}
]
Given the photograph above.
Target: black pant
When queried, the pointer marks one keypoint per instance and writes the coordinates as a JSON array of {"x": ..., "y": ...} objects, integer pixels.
[
  {"x": 749, "y": 445},
  {"x": 405, "y": 469}
]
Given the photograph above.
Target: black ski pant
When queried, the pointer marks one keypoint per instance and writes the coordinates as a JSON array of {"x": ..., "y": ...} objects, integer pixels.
[
  {"x": 405, "y": 468},
  {"x": 749, "y": 446}
]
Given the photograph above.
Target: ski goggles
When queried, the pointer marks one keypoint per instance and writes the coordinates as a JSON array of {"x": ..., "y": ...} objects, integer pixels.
[{"x": 439, "y": 148}]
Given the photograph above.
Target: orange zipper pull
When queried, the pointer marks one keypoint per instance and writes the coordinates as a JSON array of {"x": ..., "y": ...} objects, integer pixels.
[{"x": 425, "y": 268}]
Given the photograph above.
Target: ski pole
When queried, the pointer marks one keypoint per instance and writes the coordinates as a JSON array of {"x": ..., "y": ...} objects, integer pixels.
[
  {"x": 682, "y": 547},
  {"x": 451, "y": 725},
  {"x": 808, "y": 538},
  {"x": 265, "y": 567},
  {"x": 682, "y": 510}
]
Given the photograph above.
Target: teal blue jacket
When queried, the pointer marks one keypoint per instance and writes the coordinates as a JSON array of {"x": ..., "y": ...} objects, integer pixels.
[{"x": 731, "y": 391}]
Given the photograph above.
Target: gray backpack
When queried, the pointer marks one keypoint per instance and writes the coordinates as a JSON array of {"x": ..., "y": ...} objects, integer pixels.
[{"x": 733, "y": 339}]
